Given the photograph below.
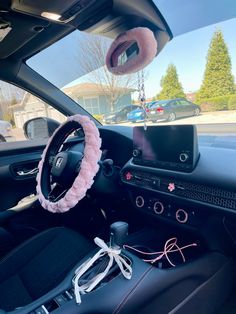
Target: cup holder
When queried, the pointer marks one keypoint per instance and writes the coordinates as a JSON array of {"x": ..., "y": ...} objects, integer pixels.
[{"x": 165, "y": 251}]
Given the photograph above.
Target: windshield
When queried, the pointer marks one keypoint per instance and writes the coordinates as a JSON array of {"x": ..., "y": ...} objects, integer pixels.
[{"x": 196, "y": 71}]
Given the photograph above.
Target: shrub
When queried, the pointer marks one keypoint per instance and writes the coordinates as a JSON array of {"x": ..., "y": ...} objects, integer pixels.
[
  {"x": 215, "y": 103},
  {"x": 206, "y": 107},
  {"x": 232, "y": 103},
  {"x": 98, "y": 117},
  {"x": 220, "y": 103},
  {"x": 8, "y": 116}
]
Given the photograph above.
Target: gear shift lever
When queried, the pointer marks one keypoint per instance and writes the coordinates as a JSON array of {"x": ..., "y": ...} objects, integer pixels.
[
  {"x": 106, "y": 263},
  {"x": 118, "y": 233}
]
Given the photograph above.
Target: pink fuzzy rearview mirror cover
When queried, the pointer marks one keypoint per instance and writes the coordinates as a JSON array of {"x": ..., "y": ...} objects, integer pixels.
[{"x": 131, "y": 51}]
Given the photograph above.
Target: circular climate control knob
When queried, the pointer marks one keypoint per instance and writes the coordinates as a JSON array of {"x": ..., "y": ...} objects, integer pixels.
[
  {"x": 183, "y": 157},
  {"x": 158, "y": 208},
  {"x": 137, "y": 152},
  {"x": 139, "y": 201},
  {"x": 181, "y": 216}
]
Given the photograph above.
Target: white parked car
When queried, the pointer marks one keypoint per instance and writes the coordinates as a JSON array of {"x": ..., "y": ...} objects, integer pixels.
[{"x": 5, "y": 130}]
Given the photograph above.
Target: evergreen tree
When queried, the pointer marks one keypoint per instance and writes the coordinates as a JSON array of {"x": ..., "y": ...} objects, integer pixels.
[
  {"x": 218, "y": 79},
  {"x": 171, "y": 87}
]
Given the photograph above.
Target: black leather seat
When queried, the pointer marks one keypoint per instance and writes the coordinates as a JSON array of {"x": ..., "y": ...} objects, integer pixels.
[{"x": 39, "y": 265}]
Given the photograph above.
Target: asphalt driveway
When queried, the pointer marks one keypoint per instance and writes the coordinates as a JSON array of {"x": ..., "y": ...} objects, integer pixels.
[
  {"x": 228, "y": 116},
  {"x": 208, "y": 123},
  {"x": 218, "y": 122}
]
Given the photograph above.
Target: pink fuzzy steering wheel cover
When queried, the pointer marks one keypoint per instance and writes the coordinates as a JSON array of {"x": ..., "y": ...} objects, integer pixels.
[
  {"x": 147, "y": 45},
  {"x": 89, "y": 167}
]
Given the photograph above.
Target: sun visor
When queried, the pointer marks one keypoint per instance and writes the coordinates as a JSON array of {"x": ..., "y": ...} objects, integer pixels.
[{"x": 14, "y": 34}]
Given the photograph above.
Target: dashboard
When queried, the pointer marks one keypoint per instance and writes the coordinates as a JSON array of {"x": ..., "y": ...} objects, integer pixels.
[{"x": 183, "y": 197}]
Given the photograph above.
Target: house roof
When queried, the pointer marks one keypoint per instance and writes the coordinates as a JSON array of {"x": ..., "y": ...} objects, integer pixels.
[
  {"x": 78, "y": 90},
  {"x": 191, "y": 96},
  {"x": 91, "y": 89},
  {"x": 27, "y": 98}
]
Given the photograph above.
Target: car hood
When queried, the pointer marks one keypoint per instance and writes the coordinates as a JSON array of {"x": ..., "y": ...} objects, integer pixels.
[{"x": 109, "y": 116}]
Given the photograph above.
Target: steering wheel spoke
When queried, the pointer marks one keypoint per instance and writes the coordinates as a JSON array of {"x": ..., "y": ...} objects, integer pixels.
[
  {"x": 57, "y": 192},
  {"x": 51, "y": 159}
]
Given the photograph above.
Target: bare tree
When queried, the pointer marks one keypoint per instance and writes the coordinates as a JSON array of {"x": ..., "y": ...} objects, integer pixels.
[
  {"x": 9, "y": 96},
  {"x": 93, "y": 53}
]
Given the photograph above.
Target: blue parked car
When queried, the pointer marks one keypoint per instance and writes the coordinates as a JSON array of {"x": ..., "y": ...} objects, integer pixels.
[
  {"x": 136, "y": 115},
  {"x": 139, "y": 114}
]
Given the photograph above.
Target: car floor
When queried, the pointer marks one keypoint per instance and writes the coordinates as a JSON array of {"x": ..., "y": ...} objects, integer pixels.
[{"x": 229, "y": 307}]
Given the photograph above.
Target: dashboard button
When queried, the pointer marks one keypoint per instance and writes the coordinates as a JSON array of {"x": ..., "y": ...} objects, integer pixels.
[
  {"x": 41, "y": 310},
  {"x": 137, "y": 152},
  {"x": 139, "y": 201},
  {"x": 60, "y": 300},
  {"x": 181, "y": 216},
  {"x": 183, "y": 157},
  {"x": 156, "y": 183},
  {"x": 158, "y": 208}
]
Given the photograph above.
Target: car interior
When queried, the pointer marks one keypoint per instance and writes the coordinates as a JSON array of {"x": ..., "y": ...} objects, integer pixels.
[{"x": 108, "y": 219}]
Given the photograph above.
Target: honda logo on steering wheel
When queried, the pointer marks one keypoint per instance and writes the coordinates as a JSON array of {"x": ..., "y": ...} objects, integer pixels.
[{"x": 59, "y": 162}]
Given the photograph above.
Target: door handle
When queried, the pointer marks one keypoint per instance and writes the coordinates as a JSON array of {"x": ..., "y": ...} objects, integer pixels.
[
  {"x": 25, "y": 203},
  {"x": 23, "y": 173}
]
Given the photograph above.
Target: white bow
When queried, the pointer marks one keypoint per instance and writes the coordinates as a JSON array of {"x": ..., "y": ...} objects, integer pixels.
[{"x": 114, "y": 255}]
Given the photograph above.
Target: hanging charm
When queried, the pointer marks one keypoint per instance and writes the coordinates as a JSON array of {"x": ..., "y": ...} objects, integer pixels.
[{"x": 142, "y": 96}]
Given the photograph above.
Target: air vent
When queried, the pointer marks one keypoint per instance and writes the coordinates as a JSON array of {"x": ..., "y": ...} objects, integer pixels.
[
  {"x": 192, "y": 191},
  {"x": 206, "y": 194}
]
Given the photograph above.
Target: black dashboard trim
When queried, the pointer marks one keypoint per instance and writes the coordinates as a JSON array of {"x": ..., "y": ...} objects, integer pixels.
[
  {"x": 186, "y": 200},
  {"x": 209, "y": 169}
]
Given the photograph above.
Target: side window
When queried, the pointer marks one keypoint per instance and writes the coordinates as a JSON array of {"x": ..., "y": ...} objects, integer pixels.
[
  {"x": 183, "y": 102},
  {"x": 126, "y": 109},
  {"x": 16, "y": 107},
  {"x": 174, "y": 104}
]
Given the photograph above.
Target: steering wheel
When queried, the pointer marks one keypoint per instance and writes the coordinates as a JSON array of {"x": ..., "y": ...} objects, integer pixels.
[{"x": 65, "y": 176}]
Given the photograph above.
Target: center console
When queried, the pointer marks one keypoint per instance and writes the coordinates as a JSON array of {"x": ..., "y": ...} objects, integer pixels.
[{"x": 183, "y": 288}]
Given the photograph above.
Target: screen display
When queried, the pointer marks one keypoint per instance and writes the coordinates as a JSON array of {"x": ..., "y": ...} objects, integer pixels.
[{"x": 159, "y": 144}]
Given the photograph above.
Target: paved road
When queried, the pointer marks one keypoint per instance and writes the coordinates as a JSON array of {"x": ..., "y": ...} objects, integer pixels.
[{"x": 207, "y": 123}]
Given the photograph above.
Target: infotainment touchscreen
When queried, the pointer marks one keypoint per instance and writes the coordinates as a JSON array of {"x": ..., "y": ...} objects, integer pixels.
[{"x": 171, "y": 146}]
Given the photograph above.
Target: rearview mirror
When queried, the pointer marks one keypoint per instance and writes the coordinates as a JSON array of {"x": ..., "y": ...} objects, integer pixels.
[
  {"x": 40, "y": 128},
  {"x": 128, "y": 54},
  {"x": 131, "y": 51}
]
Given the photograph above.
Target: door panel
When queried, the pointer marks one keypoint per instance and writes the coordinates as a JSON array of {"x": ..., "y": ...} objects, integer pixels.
[
  {"x": 13, "y": 185},
  {"x": 19, "y": 156},
  {"x": 16, "y": 159},
  {"x": 186, "y": 109},
  {"x": 176, "y": 108}
]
